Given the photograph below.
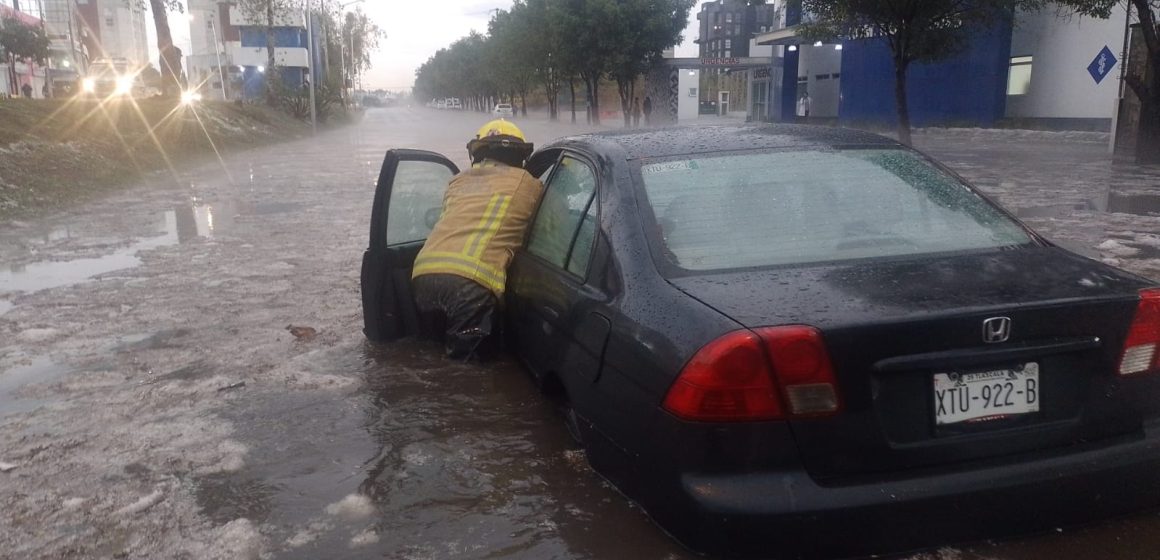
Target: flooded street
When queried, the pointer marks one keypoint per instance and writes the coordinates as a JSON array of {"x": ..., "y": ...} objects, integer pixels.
[{"x": 154, "y": 404}]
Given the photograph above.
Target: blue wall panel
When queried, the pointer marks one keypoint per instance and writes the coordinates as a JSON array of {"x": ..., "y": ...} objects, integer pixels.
[
  {"x": 969, "y": 89},
  {"x": 289, "y": 37}
]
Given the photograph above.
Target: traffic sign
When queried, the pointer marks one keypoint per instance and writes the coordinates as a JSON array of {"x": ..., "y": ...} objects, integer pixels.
[{"x": 1102, "y": 65}]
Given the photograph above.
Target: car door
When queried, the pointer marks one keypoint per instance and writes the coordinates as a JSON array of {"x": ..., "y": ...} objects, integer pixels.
[
  {"x": 408, "y": 202},
  {"x": 556, "y": 312}
]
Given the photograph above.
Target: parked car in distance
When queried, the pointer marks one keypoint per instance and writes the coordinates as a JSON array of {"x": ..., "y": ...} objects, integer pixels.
[
  {"x": 112, "y": 78},
  {"x": 454, "y": 103},
  {"x": 803, "y": 341},
  {"x": 503, "y": 110}
]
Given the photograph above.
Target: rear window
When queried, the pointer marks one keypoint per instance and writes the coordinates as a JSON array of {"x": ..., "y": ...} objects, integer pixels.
[{"x": 750, "y": 210}]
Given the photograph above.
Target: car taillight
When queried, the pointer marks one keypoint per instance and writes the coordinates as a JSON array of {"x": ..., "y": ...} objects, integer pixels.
[
  {"x": 748, "y": 375},
  {"x": 1140, "y": 354},
  {"x": 802, "y": 367}
]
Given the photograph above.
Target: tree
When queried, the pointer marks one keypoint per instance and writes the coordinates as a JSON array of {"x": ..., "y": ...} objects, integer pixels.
[
  {"x": 915, "y": 30},
  {"x": 643, "y": 28},
  {"x": 1145, "y": 86},
  {"x": 20, "y": 42},
  {"x": 270, "y": 13},
  {"x": 169, "y": 59},
  {"x": 362, "y": 36},
  {"x": 511, "y": 52}
]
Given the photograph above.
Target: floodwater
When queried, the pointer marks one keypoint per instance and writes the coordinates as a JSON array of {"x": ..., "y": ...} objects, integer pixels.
[{"x": 155, "y": 405}]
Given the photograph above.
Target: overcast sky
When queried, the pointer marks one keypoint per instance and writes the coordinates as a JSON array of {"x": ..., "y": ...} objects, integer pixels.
[{"x": 415, "y": 30}]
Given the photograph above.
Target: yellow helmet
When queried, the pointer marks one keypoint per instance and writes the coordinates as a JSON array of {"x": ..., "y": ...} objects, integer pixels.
[
  {"x": 501, "y": 141},
  {"x": 500, "y": 127}
]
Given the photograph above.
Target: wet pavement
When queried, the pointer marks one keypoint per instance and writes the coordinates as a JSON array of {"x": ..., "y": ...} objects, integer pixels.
[{"x": 154, "y": 404}]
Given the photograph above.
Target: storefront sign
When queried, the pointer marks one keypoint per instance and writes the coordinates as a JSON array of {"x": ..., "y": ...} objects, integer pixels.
[{"x": 720, "y": 61}]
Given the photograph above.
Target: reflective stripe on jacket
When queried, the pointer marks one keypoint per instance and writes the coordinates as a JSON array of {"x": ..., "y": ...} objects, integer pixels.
[{"x": 486, "y": 211}]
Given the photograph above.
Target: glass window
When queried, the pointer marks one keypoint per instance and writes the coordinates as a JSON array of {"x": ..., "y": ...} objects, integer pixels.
[
  {"x": 728, "y": 53},
  {"x": 416, "y": 200},
  {"x": 1019, "y": 76},
  {"x": 729, "y": 211},
  {"x": 737, "y": 29},
  {"x": 729, "y": 18},
  {"x": 728, "y": 43},
  {"x": 585, "y": 239},
  {"x": 562, "y": 211}
]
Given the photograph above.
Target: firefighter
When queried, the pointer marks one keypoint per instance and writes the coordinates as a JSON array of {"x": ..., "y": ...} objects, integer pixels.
[{"x": 460, "y": 274}]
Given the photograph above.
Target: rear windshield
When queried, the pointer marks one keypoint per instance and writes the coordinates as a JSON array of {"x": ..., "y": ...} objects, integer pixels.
[{"x": 751, "y": 210}]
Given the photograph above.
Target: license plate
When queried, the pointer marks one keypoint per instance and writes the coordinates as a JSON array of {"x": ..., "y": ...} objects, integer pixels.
[{"x": 986, "y": 395}]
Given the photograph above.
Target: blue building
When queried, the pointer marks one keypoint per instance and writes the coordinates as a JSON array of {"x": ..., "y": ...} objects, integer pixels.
[
  {"x": 1036, "y": 71},
  {"x": 293, "y": 54}
]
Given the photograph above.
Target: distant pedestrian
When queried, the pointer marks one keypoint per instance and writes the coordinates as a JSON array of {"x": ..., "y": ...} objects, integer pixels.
[
  {"x": 636, "y": 112},
  {"x": 804, "y": 106},
  {"x": 647, "y": 110},
  {"x": 44, "y": 92},
  {"x": 27, "y": 89}
]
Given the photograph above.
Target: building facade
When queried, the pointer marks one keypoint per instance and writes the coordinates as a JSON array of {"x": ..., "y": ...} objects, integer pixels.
[
  {"x": 1042, "y": 69},
  {"x": 292, "y": 50},
  {"x": 14, "y": 77},
  {"x": 113, "y": 29},
  {"x": 725, "y": 30},
  {"x": 210, "y": 67}
]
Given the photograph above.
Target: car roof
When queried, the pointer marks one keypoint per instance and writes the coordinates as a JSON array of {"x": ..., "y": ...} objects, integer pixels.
[{"x": 682, "y": 140}]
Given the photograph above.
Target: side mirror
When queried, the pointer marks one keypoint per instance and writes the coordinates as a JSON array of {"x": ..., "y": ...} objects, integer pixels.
[{"x": 432, "y": 217}]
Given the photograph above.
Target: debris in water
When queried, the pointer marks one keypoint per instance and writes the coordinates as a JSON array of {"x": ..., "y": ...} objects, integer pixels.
[
  {"x": 354, "y": 506},
  {"x": 5, "y": 466},
  {"x": 302, "y": 333},
  {"x": 143, "y": 504},
  {"x": 232, "y": 386}
]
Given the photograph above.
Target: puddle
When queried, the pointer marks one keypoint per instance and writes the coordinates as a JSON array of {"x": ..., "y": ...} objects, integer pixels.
[
  {"x": 41, "y": 370},
  {"x": 180, "y": 225}
]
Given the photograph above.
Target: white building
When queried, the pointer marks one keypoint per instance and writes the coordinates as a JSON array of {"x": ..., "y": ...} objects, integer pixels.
[
  {"x": 113, "y": 29},
  {"x": 208, "y": 35},
  {"x": 1049, "y": 78}
]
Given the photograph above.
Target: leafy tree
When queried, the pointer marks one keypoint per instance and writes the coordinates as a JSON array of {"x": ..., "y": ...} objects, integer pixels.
[
  {"x": 269, "y": 13},
  {"x": 643, "y": 28},
  {"x": 511, "y": 54},
  {"x": 20, "y": 42},
  {"x": 1146, "y": 87},
  {"x": 915, "y": 30},
  {"x": 362, "y": 36}
]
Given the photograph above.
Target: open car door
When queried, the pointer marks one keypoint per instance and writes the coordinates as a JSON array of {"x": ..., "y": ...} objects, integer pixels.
[{"x": 408, "y": 202}]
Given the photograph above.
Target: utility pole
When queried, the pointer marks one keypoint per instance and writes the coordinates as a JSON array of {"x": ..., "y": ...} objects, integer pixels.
[
  {"x": 217, "y": 49},
  {"x": 310, "y": 65}
]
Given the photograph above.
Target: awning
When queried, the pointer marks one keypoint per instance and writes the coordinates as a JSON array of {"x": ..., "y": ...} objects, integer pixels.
[{"x": 783, "y": 36}]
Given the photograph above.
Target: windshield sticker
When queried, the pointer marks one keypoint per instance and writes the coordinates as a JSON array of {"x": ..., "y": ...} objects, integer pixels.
[{"x": 668, "y": 167}]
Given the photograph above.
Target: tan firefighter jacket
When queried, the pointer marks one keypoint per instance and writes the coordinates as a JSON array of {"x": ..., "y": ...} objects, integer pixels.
[{"x": 486, "y": 211}]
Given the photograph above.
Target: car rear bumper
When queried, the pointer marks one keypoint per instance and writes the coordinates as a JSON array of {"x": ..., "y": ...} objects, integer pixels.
[{"x": 788, "y": 514}]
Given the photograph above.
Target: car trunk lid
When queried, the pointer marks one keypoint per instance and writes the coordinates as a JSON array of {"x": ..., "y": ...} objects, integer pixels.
[{"x": 899, "y": 331}]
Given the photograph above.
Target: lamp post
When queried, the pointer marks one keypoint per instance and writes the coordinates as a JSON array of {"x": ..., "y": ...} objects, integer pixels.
[{"x": 310, "y": 65}]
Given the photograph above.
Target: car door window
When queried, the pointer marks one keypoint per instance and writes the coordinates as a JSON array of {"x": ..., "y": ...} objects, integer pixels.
[
  {"x": 585, "y": 238},
  {"x": 566, "y": 206},
  {"x": 416, "y": 200}
]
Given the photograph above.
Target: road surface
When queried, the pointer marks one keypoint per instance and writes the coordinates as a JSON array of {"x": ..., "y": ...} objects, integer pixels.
[{"x": 153, "y": 403}]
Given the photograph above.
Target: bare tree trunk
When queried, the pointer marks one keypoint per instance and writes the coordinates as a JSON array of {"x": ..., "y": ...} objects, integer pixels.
[
  {"x": 572, "y": 91},
  {"x": 12, "y": 77},
  {"x": 523, "y": 104},
  {"x": 900, "y": 69},
  {"x": 271, "y": 62},
  {"x": 169, "y": 60}
]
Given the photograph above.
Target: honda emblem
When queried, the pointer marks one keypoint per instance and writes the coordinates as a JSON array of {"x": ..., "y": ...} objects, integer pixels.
[{"x": 996, "y": 329}]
